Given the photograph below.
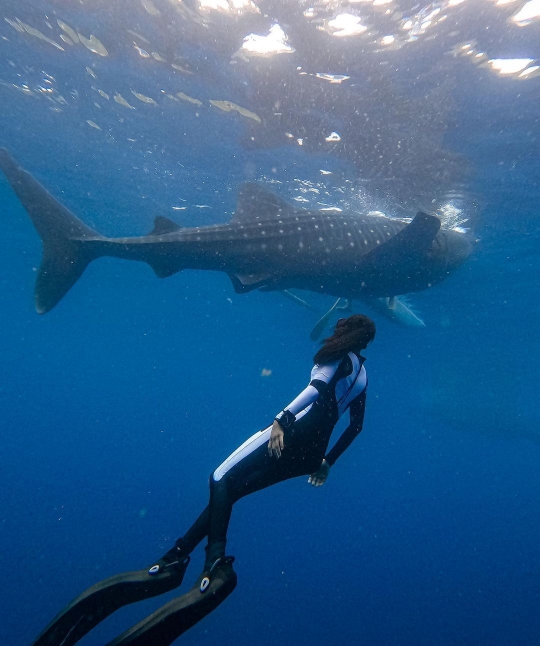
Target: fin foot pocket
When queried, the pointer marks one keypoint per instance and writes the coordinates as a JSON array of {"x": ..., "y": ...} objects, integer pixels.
[
  {"x": 102, "y": 599},
  {"x": 179, "y": 615}
]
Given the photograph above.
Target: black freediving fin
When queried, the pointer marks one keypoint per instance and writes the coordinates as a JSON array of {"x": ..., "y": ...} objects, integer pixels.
[
  {"x": 179, "y": 615},
  {"x": 102, "y": 599}
]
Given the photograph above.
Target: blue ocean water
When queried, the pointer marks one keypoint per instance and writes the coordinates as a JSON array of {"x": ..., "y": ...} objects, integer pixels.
[{"x": 117, "y": 404}]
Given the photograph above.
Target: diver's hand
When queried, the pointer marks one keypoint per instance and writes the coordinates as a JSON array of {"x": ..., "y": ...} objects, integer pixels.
[
  {"x": 319, "y": 477},
  {"x": 275, "y": 445}
]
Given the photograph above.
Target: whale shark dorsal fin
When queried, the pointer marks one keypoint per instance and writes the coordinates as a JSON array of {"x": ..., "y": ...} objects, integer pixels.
[
  {"x": 163, "y": 225},
  {"x": 256, "y": 202}
]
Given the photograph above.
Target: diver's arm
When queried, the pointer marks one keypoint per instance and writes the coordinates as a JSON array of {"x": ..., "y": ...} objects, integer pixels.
[
  {"x": 320, "y": 377},
  {"x": 284, "y": 420},
  {"x": 357, "y": 410}
]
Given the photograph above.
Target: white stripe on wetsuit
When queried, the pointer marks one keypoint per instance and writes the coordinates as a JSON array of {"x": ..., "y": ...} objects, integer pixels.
[
  {"x": 346, "y": 390},
  {"x": 250, "y": 445}
]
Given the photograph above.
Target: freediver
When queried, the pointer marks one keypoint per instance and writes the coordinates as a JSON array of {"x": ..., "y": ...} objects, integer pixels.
[{"x": 294, "y": 445}]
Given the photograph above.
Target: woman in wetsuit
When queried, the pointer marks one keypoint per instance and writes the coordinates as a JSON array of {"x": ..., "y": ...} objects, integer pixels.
[{"x": 296, "y": 444}]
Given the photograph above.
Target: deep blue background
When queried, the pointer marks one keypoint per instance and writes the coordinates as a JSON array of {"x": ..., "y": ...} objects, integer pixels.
[{"x": 117, "y": 405}]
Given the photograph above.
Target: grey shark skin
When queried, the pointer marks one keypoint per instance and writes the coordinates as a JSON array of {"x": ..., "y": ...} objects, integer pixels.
[{"x": 269, "y": 244}]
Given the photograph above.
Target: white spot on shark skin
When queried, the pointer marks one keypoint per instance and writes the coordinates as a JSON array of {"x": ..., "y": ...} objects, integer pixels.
[
  {"x": 321, "y": 240},
  {"x": 281, "y": 230},
  {"x": 263, "y": 233},
  {"x": 263, "y": 246},
  {"x": 349, "y": 234},
  {"x": 378, "y": 241},
  {"x": 351, "y": 244},
  {"x": 301, "y": 245},
  {"x": 316, "y": 226},
  {"x": 280, "y": 247},
  {"x": 299, "y": 228}
]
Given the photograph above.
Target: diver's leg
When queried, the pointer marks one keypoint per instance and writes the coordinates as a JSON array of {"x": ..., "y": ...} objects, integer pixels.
[
  {"x": 186, "y": 543},
  {"x": 249, "y": 469},
  {"x": 246, "y": 471}
]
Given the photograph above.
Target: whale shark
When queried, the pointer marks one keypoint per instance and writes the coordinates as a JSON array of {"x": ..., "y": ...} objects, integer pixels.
[{"x": 269, "y": 244}]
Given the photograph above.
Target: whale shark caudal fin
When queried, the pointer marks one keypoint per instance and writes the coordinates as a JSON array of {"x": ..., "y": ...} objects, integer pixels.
[{"x": 65, "y": 257}]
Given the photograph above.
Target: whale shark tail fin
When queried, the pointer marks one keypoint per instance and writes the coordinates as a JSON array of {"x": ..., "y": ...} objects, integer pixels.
[{"x": 65, "y": 256}]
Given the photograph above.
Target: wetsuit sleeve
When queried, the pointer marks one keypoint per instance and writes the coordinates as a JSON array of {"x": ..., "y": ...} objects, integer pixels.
[
  {"x": 357, "y": 410},
  {"x": 320, "y": 376}
]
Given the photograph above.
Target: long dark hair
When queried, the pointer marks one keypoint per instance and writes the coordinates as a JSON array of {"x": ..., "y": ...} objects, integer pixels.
[{"x": 350, "y": 335}]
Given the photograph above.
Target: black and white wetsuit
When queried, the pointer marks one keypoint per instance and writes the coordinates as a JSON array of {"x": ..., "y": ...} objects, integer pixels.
[{"x": 308, "y": 423}]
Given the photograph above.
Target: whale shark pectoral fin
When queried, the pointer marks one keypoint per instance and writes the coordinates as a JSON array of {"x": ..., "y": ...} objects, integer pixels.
[
  {"x": 255, "y": 202},
  {"x": 243, "y": 283},
  {"x": 163, "y": 225}
]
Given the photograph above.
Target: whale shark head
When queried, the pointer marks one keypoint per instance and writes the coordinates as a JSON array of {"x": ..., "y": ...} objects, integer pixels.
[{"x": 450, "y": 249}]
